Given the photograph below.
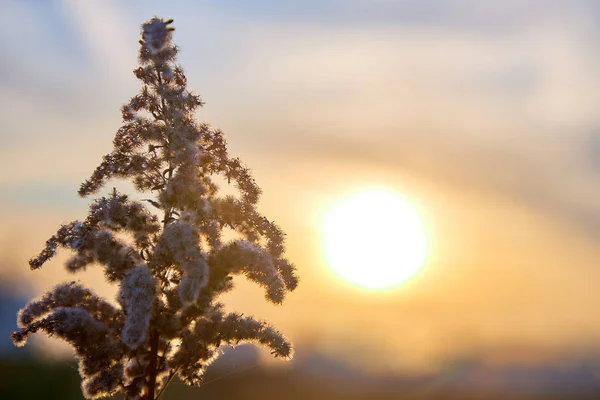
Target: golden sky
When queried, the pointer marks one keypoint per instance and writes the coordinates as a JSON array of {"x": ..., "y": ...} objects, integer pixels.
[{"x": 483, "y": 116}]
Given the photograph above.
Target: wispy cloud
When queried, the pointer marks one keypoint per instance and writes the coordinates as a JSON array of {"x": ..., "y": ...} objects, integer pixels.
[{"x": 102, "y": 28}]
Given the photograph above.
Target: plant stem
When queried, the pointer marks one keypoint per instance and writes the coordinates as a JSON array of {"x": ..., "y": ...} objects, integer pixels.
[{"x": 153, "y": 364}]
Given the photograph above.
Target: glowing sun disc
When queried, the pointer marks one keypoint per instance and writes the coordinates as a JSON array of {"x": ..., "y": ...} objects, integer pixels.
[{"x": 374, "y": 239}]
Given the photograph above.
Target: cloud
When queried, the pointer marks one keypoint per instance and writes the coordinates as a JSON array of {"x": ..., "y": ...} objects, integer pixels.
[
  {"x": 103, "y": 30},
  {"x": 509, "y": 115}
]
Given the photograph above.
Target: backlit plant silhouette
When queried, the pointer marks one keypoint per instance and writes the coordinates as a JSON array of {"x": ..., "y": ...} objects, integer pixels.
[{"x": 169, "y": 256}]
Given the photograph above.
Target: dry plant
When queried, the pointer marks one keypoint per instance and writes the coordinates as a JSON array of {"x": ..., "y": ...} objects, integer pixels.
[{"x": 170, "y": 261}]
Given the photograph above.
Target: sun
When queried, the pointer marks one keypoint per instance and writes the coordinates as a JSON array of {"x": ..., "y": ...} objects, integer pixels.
[{"x": 374, "y": 239}]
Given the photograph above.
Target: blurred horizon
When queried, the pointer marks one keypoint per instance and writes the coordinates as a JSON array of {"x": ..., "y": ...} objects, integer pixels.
[{"x": 482, "y": 115}]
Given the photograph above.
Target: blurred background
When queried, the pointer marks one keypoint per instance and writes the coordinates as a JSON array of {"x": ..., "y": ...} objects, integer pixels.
[{"x": 482, "y": 114}]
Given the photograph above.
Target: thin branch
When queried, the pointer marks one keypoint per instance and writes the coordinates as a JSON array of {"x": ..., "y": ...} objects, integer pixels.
[{"x": 171, "y": 376}]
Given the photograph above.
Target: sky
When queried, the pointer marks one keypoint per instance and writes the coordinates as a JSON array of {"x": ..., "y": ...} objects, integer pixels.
[{"x": 482, "y": 114}]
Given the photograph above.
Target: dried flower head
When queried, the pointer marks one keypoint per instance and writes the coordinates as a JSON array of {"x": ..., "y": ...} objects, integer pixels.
[
  {"x": 156, "y": 34},
  {"x": 166, "y": 252}
]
